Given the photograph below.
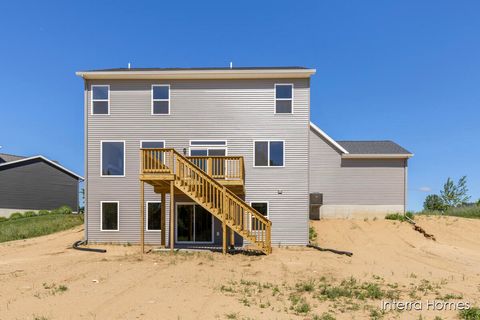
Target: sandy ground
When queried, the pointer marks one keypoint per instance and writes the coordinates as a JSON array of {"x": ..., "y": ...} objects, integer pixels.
[{"x": 43, "y": 278}]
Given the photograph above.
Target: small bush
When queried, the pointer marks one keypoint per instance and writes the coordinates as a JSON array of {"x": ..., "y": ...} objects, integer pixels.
[
  {"x": 399, "y": 216},
  {"x": 312, "y": 234},
  {"x": 3, "y": 219},
  {"x": 16, "y": 215},
  {"x": 28, "y": 214},
  {"x": 471, "y": 314},
  {"x": 62, "y": 210},
  {"x": 43, "y": 212}
]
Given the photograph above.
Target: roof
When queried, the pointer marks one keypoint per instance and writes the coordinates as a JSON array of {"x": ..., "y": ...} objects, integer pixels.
[
  {"x": 53, "y": 163},
  {"x": 199, "y": 73},
  {"x": 199, "y": 68},
  {"x": 365, "y": 149},
  {"x": 327, "y": 137},
  {"x": 373, "y": 147},
  {"x": 5, "y": 157}
]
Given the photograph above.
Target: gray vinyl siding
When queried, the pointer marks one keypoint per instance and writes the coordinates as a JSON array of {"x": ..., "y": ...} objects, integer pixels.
[
  {"x": 238, "y": 111},
  {"x": 354, "y": 181},
  {"x": 37, "y": 185}
]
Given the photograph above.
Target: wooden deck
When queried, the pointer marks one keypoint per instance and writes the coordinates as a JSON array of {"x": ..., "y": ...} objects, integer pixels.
[{"x": 215, "y": 183}]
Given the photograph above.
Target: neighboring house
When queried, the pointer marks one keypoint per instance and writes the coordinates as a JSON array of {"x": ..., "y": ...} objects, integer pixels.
[
  {"x": 35, "y": 183},
  {"x": 231, "y": 146}
]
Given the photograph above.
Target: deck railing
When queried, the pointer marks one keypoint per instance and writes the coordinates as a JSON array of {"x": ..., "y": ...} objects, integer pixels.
[{"x": 220, "y": 167}]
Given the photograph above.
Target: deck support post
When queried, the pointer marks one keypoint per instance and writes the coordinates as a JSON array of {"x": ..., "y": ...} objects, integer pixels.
[
  {"x": 163, "y": 220},
  {"x": 172, "y": 214},
  {"x": 142, "y": 217},
  {"x": 224, "y": 241},
  {"x": 232, "y": 239}
]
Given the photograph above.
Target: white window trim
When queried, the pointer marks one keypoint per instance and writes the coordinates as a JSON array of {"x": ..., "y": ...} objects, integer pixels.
[
  {"x": 176, "y": 226},
  {"x": 153, "y": 100},
  {"x": 142, "y": 141},
  {"x": 275, "y": 98},
  {"x": 118, "y": 216},
  {"x": 146, "y": 216},
  {"x": 92, "y": 100},
  {"x": 207, "y": 146},
  {"x": 101, "y": 159},
  {"x": 268, "y": 211},
  {"x": 268, "y": 159}
]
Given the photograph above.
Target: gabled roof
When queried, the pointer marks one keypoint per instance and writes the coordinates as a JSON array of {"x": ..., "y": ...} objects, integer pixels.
[
  {"x": 53, "y": 163},
  {"x": 373, "y": 147},
  {"x": 199, "y": 73},
  {"x": 5, "y": 157},
  {"x": 365, "y": 149}
]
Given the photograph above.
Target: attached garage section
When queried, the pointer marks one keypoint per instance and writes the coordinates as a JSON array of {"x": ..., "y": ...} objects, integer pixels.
[{"x": 356, "y": 179}]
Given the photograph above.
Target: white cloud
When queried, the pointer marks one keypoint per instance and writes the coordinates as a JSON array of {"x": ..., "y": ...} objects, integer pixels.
[{"x": 425, "y": 189}]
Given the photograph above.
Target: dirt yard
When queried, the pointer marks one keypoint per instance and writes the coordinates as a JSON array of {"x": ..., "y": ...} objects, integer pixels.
[{"x": 43, "y": 278}]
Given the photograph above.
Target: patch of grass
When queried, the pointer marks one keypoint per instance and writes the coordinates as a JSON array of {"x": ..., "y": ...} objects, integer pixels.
[
  {"x": 472, "y": 212},
  {"x": 312, "y": 234},
  {"x": 399, "y": 216},
  {"x": 302, "y": 307},
  {"x": 232, "y": 315},
  {"x": 306, "y": 286},
  {"x": 471, "y": 314},
  {"x": 24, "y": 228},
  {"x": 324, "y": 316}
]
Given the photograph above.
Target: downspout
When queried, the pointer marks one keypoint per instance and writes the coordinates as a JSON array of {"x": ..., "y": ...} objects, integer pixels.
[
  {"x": 85, "y": 138},
  {"x": 405, "y": 180}
]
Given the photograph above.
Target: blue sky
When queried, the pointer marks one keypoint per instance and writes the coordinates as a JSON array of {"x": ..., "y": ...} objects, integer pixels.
[{"x": 408, "y": 71}]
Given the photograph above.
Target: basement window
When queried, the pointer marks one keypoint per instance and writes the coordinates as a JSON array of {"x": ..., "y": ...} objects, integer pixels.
[
  {"x": 160, "y": 99},
  {"x": 109, "y": 215},
  {"x": 101, "y": 99},
  {"x": 154, "y": 216},
  {"x": 269, "y": 153},
  {"x": 284, "y": 98}
]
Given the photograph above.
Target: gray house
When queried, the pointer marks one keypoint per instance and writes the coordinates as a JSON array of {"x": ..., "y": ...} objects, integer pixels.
[
  {"x": 35, "y": 183},
  {"x": 206, "y": 156}
]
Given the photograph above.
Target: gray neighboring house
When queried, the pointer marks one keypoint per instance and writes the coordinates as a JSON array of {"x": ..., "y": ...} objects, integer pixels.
[
  {"x": 255, "y": 120},
  {"x": 35, "y": 183}
]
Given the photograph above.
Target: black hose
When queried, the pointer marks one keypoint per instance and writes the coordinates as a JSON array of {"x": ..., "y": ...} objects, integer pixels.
[
  {"x": 80, "y": 242},
  {"x": 330, "y": 250}
]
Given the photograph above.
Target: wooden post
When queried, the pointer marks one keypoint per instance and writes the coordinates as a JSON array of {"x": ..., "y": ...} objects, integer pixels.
[
  {"x": 232, "y": 239},
  {"x": 172, "y": 214},
  {"x": 209, "y": 166},
  {"x": 163, "y": 220},
  {"x": 224, "y": 242},
  {"x": 142, "y": 218}
]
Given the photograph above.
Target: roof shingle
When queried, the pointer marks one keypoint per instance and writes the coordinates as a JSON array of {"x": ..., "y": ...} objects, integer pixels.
[{"x": 373, "y": 147}]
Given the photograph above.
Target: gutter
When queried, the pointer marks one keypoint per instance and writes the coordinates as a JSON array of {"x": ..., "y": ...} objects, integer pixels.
[{"x": 377, "y": 156}]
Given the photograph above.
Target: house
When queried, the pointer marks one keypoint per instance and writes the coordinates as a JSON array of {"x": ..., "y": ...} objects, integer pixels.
[
  {"x": 35, "y": 183},
  {"x": 203, "y": 156}
]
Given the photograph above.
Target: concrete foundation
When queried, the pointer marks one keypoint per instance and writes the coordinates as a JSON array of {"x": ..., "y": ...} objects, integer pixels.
[{"x": 358, "y": 211}]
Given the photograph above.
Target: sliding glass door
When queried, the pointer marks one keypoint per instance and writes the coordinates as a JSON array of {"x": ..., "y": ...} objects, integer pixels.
[{"x": 194, "y": 224}]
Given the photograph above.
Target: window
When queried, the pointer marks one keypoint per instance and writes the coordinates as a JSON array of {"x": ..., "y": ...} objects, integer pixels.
[
  {"x": 109, "y": 216},
  {"x": 161, "y": 99},
  {"x": 284, "y": 98},
  {"x": 153, "y": 144},
  {"x": 101, "y": 99},
  {"x": 261, "y": 207},
  {"x": 269, "y": 153},
  {"x": 154, "y": 216},
  {"x": 113, "y": 158},
  {"x": 208, "y": 148}
]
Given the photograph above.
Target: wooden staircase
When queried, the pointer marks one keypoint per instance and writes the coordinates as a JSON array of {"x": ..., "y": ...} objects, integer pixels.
[{"x": 168, "y": 165}]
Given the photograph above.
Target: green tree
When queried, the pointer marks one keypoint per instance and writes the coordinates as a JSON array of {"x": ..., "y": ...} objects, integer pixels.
[
  {"x": 454, "y": 195},
  {"x": 433, "y": 202}
]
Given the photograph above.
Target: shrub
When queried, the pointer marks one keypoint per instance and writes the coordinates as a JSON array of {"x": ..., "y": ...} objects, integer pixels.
[
  {"x": 434, "y": 202},
  {"x": 399, "y": 216},
  {"x": 312, "y": 234},
  {"x": 471, "y": 314},
  {"x": 62, "y": 210},
  {"x": 3, "y": 219},
  {"x": 43, "y": 212},
  {"x": 28, "y": 214},
  {"x": 16, "y": 215}
]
